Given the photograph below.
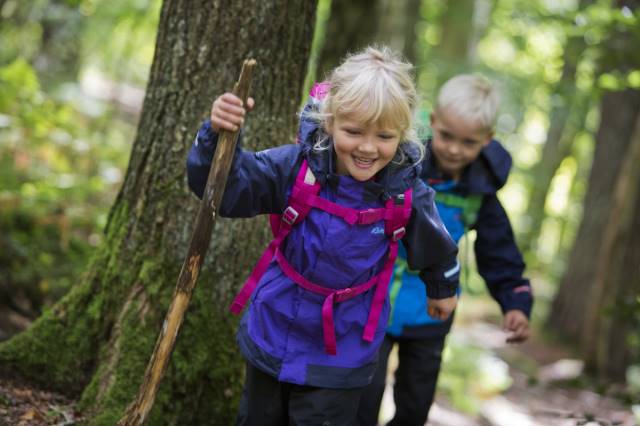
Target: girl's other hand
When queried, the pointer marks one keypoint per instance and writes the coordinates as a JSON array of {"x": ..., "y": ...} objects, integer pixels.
[
  {"x": 441, "y": 308},
  {"x": 227, "y": 112}
]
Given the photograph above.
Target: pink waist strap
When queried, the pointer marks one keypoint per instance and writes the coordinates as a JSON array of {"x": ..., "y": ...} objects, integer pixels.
[{"x": 340, "y": 295}]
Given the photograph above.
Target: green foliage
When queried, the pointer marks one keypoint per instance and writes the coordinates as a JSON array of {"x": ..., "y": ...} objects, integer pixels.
[
  {"x": 57, "y": 180},
  {"x": 62, "y": 151}
]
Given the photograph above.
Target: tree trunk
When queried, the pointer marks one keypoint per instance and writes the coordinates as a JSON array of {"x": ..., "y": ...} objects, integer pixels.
[
  {"x": 397, "y": 21},
  {"x": 603, "y": 270},
  {"x": 96, "y": 342},
  {"x": 457, "y": 33},
  {"x": 354, "y": 24},
  {"x": 567, "y": 119},
  {"x": 567, "y": 116}
]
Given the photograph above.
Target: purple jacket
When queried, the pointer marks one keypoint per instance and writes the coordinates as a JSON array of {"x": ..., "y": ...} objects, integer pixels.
[{"x": 281, "y": 331}]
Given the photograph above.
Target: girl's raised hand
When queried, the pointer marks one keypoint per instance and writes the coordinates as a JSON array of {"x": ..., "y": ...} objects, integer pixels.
[{"x": 227, "y": 112}]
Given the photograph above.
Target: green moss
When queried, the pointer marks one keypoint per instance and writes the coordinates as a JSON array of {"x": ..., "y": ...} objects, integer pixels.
[{"x": 87, "y": 345}]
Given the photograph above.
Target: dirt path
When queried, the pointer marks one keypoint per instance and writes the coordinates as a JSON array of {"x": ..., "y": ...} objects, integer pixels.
[{"x": 535, "y": 384}]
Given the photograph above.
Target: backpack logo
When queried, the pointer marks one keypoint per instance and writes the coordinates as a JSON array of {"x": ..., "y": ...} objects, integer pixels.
[{"x": 377, "y": 230}]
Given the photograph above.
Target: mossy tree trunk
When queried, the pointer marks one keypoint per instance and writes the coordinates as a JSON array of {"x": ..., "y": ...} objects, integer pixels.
[{"x": 96, "y": 342}]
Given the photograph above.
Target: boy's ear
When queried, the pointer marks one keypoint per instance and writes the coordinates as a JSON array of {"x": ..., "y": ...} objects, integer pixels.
[{"x": 488, "y": 138}]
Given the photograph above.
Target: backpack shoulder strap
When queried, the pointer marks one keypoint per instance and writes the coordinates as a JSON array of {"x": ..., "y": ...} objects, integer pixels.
[
  {"x": 295, "y": 212},
  {"x": 398, "y": 214}
]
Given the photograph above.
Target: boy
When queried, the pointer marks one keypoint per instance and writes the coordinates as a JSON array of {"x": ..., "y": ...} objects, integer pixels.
[{"x": 466, "y": 167}]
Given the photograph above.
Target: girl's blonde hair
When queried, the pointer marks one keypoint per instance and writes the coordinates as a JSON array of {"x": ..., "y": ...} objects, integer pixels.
[
  {"x": 373, "y": 87},
  {"x": 471, "y": 97}
]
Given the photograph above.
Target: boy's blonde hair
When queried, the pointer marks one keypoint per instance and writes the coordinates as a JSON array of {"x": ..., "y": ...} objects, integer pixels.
[
  {"x": 373, "y": 87},
  {"x": 471, "y": 97}
]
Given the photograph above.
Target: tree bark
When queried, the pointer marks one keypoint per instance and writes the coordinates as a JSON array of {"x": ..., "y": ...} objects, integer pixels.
[
  {"x": 96, "y": 342},
  {"x": 352, "y": 25},
  {"x": 597, "y": 299},
  {"x": 355, "y": 24},
  {"x": 602, "y": 273}
]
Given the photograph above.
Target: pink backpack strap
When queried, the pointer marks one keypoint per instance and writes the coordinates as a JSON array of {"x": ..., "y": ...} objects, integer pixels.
[
  {"x": 294, "y": 213},
  {"x": 399, "y": 209}
]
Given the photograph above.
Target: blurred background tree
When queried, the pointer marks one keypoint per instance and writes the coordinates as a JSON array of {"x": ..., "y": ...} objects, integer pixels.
[{"x": 72, "y": 78}]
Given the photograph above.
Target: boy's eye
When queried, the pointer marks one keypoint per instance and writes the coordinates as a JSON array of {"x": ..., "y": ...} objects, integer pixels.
[
  {"x": 446, "y": 135},
  {"x": 469, "y": 143}
]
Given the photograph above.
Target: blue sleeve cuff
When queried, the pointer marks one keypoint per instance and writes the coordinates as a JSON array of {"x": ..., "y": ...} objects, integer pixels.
[
  {"x": 519, "y": 298},
  {"x": 441, "y": 290},
  {"x": 206, "y": 137}
]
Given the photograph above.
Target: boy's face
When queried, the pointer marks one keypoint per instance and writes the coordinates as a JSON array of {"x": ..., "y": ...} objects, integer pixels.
[
  {"x": 456, "y": 142},
  {"x": 362, "y": 151}
]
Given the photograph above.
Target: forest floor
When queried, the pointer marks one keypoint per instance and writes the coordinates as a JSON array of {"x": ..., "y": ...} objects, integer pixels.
[
  {"x": 484, "y": 382},
  {"x": 487, "y": 382},
  {"x": 22, "y": 404}
]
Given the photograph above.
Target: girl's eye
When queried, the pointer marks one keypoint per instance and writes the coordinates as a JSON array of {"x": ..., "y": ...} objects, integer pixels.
[
  {"x": 352, "y": 131},
  {"x": 386, "y": 136}
]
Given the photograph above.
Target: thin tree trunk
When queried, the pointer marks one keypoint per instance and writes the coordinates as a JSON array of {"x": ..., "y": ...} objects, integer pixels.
[
  {"x": 96, "y": 342},
  {"x": 567, "y": 116}
]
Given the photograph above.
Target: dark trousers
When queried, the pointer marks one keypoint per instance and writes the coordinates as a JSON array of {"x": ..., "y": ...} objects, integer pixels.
[
  {"x": 415, "y": 381},
  {"x": 268, "y": 402}
]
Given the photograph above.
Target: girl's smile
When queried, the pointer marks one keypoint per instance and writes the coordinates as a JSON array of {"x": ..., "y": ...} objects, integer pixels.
[{"x": 361, "y": 150}]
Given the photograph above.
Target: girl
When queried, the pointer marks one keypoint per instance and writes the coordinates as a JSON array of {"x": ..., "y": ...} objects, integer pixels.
[{"x": 346, "y": 193}]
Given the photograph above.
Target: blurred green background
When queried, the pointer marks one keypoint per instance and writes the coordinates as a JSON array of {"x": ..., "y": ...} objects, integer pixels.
[{"x": 72, "y": 80}]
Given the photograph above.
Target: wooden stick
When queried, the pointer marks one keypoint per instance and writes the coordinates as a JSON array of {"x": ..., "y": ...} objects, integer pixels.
[{"x": 137, "y": 411}]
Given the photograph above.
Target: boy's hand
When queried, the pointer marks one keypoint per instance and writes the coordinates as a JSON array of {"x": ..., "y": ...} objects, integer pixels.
[
  {"x": 441, "y": 308},
  {"x": 227, "y": 112},
  {"x": 516, "y": 322}
]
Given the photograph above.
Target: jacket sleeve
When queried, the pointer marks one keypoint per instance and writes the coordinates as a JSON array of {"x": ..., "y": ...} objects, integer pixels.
[
  {"x": 257, "y": 182},
  {"x": 430, "y": 249},
  {"x": 499, "y": 260}
]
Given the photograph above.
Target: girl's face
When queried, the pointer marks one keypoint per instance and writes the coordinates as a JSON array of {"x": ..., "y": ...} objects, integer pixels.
[{"x": 362, "y": 151}]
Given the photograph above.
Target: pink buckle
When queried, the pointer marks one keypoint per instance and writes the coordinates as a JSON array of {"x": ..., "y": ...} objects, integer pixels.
[
  {"x": 369, "y": 216},
  {"x": 290, "y": 215},
  {"x": 398, "y": 234}
]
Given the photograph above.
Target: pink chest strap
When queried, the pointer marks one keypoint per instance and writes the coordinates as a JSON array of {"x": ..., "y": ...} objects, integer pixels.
[{"x": 304, "y": 196}]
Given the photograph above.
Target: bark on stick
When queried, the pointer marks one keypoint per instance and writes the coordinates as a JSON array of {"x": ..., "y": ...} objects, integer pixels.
[{"x": 137, "y": 412}]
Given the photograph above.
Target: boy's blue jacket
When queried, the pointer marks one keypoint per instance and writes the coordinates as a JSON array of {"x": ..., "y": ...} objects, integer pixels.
[
  {"x": 281, "y": 331},
  {"x": 498, "y": 259}
]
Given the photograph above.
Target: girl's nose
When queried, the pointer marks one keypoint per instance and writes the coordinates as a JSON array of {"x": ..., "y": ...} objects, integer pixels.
[{"x": 367, "y": 145}]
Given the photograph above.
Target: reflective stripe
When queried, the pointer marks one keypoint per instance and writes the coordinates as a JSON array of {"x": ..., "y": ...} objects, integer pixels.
[{"x": 452, "y": 271}]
